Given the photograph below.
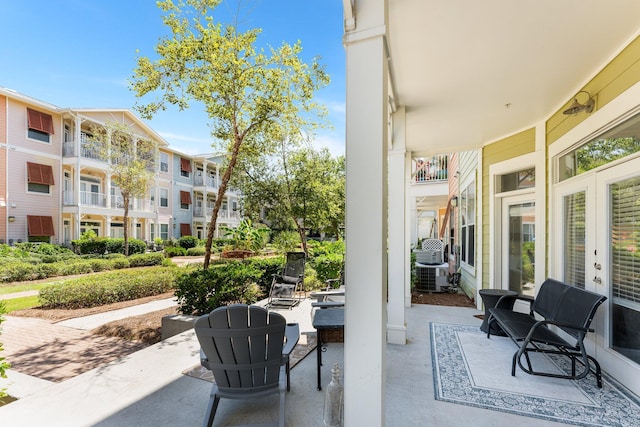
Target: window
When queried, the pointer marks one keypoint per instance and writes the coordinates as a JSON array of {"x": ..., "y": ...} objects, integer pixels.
[
  {"x": 152, "y": 231},
  {"x": 164, "y": 198},
  {"x": 39, "y": 178},
  {"x": 185, "y": 229},
  {"x": 185, "y": 199},
  {"x": 185, "y": 167},
  {"x": 164, "y": 162},
  {"x": 518, "y": 180},
  {"x": 468, "y": 225},
  {"x": 40, "y": 225},
  {"x": 614, "y": 144},
  {"x": 90, "y": 226},
  {"x": 39, "y": 125},
  {"x": 164, "y": 231}
]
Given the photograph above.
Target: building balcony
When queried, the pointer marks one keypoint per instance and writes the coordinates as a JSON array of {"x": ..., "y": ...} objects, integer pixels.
[
  {"x": 430, "y": 170},
  {"x": 205, "y": 181}
]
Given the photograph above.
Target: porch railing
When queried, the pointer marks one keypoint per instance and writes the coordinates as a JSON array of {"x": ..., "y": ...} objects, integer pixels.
[
  {"x": 89, "y": 198},
  {"x": 430, "y": 169}
]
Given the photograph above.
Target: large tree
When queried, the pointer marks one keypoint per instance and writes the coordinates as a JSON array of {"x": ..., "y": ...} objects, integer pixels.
[
  {"x": 252, "y": 96},
  {"x": 131, "y": 159},
  {"x": 301, "y": 187}
]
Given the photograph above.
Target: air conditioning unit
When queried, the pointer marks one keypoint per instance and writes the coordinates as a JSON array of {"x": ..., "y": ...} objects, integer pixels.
[{"x": 429, "y": 256}]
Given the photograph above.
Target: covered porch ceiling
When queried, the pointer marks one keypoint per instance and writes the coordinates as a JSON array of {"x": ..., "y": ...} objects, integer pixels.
[{"x": 472, "y": 72}]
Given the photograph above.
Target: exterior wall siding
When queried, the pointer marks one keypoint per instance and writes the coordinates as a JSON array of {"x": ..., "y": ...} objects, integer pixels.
[
  {"x": 3, "y": 170},
  {"x": 616, "y": 77},
  {"x": 507, "y": 148},
  {"x": 468, "y": 166}
]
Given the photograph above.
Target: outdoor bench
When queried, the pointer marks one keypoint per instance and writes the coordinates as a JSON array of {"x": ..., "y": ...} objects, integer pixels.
[{"x": 568, "y": 309}]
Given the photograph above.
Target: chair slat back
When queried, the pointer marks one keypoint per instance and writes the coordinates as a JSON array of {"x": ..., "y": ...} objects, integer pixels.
[
  {"x": 568, "y": 304},
  {"x": 294, "y": 266},
  {"x": 243, "y": 344}
]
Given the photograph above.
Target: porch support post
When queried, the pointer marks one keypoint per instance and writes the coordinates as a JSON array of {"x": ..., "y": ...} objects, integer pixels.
[
  {"x": 396, "y": 326},
  {"x": 366, "y": 219}
]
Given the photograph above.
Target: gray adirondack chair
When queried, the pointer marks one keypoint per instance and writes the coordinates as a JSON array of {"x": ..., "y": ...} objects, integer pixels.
[{"x": 247, "y": 348}]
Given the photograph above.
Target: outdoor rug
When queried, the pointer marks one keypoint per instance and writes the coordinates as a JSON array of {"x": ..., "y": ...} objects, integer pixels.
[
  {"x": 306, "y": 344},
  {"x": 470, "y": 369}
]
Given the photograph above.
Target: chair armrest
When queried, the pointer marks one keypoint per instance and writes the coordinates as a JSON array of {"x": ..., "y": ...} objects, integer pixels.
[
  {"x": 292, "y": 335},
  {"x": 327, "y": 304},
  {"x": 204, "y": 361}
]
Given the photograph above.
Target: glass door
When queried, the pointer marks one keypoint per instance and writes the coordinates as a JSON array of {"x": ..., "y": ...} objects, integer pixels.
[
  {"x": 518, "y": 244},
  {"x": 618, "y": 269}
]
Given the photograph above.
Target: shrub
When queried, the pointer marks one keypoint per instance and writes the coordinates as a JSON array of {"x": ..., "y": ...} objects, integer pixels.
[
  {"x": 3, "y": 364},
  {"x": 202, "y": 291},
  {"x": 96, "y": 246},
  {"x": 17, "y": 271},
  {"x": 136, "y": 246},
  {"x": 287, "y": 241},
  {"x": 119, "y": 263},
  {"x": 143, "y": 260},
  {"x": 107, "y": 288},
  {"x": 268, "y": 267},
  {"x": 328, "y": 266},
  {"x": 197, "y": 251},
  {"x": 188, "y": 242},
  {"x": 172, "y": 251}
]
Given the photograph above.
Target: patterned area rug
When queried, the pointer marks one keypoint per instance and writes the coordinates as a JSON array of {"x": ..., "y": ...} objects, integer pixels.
[
  {"x": 470, "y": 369},
  {"x": 306, "y": 344}
]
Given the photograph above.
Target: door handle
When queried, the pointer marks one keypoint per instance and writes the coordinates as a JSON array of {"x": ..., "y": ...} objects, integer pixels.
[
  {"x": 597, "y": 280},
  {"x": 597, "y": 266}
]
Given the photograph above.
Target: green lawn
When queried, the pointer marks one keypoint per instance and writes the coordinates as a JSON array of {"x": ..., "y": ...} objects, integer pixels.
[
  {"x": 14, "y": 304},
  {"x": 22, "y": 288}
]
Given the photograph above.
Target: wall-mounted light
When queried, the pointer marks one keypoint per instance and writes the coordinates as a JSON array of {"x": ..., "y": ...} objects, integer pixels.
[
  {"x": 577, "y": 107},
  {"x": 454, "y": 201},
  {"x": 12, "y": 219}
]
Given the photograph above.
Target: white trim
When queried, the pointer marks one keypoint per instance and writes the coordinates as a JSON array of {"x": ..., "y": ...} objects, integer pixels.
[{"x": 534, "y": 159}]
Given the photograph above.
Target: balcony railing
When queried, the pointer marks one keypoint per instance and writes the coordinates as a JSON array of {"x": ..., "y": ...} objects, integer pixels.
[
  {"x": 69, "y": 149},
  {"x": 430, "y": 169},
  {"x": 89, "y": 198},
  {"x": 67, "y": 198},
  {"x": 208, "y": 181}
]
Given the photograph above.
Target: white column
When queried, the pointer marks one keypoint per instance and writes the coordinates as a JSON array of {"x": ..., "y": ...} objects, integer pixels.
[
  {"x": 396, "y": 326},
  {"x": 366, "y": 215}
]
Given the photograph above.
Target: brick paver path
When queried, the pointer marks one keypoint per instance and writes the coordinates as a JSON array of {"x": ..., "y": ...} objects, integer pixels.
[{"x": 52, "y": 352}]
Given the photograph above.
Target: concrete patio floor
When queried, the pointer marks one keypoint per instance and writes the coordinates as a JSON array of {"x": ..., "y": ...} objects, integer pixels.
[{"x": 147, "y": 387}]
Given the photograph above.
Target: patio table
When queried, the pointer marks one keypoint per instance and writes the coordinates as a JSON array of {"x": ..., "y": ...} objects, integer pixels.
[{"x": 324, "y": 321}]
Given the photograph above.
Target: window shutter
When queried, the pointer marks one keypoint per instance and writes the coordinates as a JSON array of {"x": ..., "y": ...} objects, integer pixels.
[
  {"x": 185, "y": 164},
  {"x": 39, "y": 121},
  {"x": 185, "y": 229},
  {"x": 185, "y": 197},
  {"x": 40, "y": 225},
  {"x": 39, "y": 174}
]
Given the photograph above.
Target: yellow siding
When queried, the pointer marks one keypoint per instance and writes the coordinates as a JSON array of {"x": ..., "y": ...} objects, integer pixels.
[
  {"x": 618, "y": 76},
  {"x": 508, "y": 148}
]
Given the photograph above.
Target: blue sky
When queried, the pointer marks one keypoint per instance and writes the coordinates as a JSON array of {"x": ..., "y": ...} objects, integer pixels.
[{"x": 81, "y": 54}]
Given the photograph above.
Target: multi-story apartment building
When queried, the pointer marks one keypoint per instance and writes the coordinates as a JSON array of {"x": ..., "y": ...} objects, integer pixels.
[{"x": 54, "y": 187}]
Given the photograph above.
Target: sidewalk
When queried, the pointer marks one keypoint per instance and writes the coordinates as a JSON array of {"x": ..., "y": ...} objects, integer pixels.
[{"x": 42, "y": 352}]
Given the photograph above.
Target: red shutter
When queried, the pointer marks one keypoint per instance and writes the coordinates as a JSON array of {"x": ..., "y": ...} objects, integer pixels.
[
  {"x": 39, "y": 174},
  {"x": 39, "y": 121},
  {"x": 40, "y": 225},
  {"x": 185, "y": 164},
  {"x": 185, "y": 197},
  {"x": 185, "y": 229}
]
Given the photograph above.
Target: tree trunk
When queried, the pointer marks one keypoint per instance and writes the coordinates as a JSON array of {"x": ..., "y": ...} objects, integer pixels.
[
  {"x": 303, "y": 237},
  {"x": 221, "y": 192}
]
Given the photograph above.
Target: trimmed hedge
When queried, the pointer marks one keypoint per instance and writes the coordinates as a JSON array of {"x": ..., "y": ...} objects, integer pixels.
[
  {"x": 202, "y": 291},
  {"x": 188, "y": 242},
  {"x": 18, "y": 271},
  {"x": 172, "y": 251},
  {"x": 108, "y": 288}
]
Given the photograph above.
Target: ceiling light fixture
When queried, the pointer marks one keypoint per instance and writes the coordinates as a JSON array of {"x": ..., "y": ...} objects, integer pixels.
[{"x": 577, "y": 107}]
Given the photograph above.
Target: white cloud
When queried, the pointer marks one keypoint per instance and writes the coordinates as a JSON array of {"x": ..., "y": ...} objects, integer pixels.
[{"x": 334, "y": 144}]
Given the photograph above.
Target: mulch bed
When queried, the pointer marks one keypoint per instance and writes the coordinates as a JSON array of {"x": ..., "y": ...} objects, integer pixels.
[{"x": 442, "y": 298}]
